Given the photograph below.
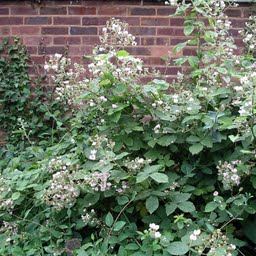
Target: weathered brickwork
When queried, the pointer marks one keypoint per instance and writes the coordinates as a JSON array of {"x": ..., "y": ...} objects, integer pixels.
[{"x": 49, "y": 28}]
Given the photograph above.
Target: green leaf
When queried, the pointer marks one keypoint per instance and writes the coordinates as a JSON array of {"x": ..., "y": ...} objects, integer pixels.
[
  {"x": 121, "y": 200},
  {"x": 152, "y": 168},
  {"x": 170, "y": 208},
  {"x": 152, "y": 204},
  {"x": 141, "y": 177},
  {"x": 119, "y": 225},
  {"x": 196, "y": 148},
  {"x": 122, "y": 53},
  {"x": 16, "y": 196},
  {"x": 132, "y": 247},
  {"x": 207, "y": 142},
  {"x": 188, "y": 29},
  {"x": 166, "y": 140},
  {"x": 109, "y": 219},
  {"x": 187, "y": 206},
  {"x": 179, "y": 47},
  {"x": 211, "y": 206},
  {"x": 91, "y": 199},
  {"x": 178, "y": 248},
  {"x": 192, "y": 139},
  {"x": 179, "y": 197},
  {"x": 159, "y": 177}
]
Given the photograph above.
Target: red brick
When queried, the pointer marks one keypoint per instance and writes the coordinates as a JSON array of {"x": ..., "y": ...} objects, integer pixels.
[
  {"x": 4, "y": 11},
  {"x": 160, "y": 51},
  {"x": 176, "y": 21},
  {"x": 247, "y": 13},
  {"x": 170, "y": 31},
  {"x": 28, "y": 10},
  {"x": 94, "y": 21},
  {"x": 37, "y": 40},
  {"x": 234, "y": 12},
  {"x": 67, "y": 40},
  {"x": 53, "y": 10},
  {"x": 189, "y": 52},
  {"x": 4, "y": 30},
  {"x": 147, "y": 41},
  {"x": 175, "y": 41},
  {"x": 11, "y": 21},
  {"x": 143, "y": 31},
  {"x": 237, "y": 23},
  {"x": 155, "y": 21},
  {"x": 239, "y": 42},
  {"x": 91, "y": 40},
  {"x": 66, "y": 20},
  {"x": 75, "y": 10},
  {"x": 83, "y": 31},
  {"x": 138, "y": 50},
  {"x": 38, "y": 20},
  {"x": 53, "y": 50},
  {"x": 165, "y": 11},
  {"x": 111, "y": 10},
  {"x": 169, "y": 70},
  {"x": 162, "y": 41},
  {"x": 37, "y": 59},
  {"x": 234, "y": 32},
  {"x": 31, "y": 49},
  {"x": 82, "y": 50},
  {"x": 54, "y": 31},
  {"x": 25, "y": 30},
  {"x": 142, "y": 11}
]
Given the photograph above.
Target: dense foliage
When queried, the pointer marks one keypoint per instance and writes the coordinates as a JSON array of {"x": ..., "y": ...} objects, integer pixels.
[
  {"x": 27, "y": 105},
  {"x": 155, "y": 169}
]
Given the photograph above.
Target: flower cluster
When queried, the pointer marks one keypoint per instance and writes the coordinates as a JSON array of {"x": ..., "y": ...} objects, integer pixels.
[
  {"x": 6, "y": 204},
  {"x": 67, "y": 86},
  {"x": 228, "y": 174},
  {"x": 62, "y": 191},
  {"x": 98, "y": 181},
  {"x": 90, "y": 218},
  {"x": 123, "y": 187},
  {"x": 136, "y": 164},
  {"x": 108, "y": 59},
  {"x": 249, "y": 34},
  {"x": 115, "y": 34},
  {"x": 195, "y": 234},
  {"x": 153, "y": 230},
  {"x": 10, "y": 229},
  {"x": 58, "y": 164},
  {"x": 214, "y": 243}
]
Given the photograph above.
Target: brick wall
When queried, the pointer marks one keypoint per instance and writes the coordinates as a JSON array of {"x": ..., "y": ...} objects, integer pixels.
[{"x": 48, "y": 28}]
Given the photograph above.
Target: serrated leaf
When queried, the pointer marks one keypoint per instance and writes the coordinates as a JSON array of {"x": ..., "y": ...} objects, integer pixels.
[
  {"x": 179, "y": 197},
  {"x": 187, "y": 206},
  {"x": 166, "y": 140},
  {"x": 159, "y": 177},
  {"x": 178, "y": 248},
  {"x": 207, "y": 142},
  {"x": 211, "y": 206},
  {"x": 192, "y": 139},
  {"x": 152, "y": 204},
  {"x": 170, "y": 208},
  {"x": 196, "y": 148}
]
